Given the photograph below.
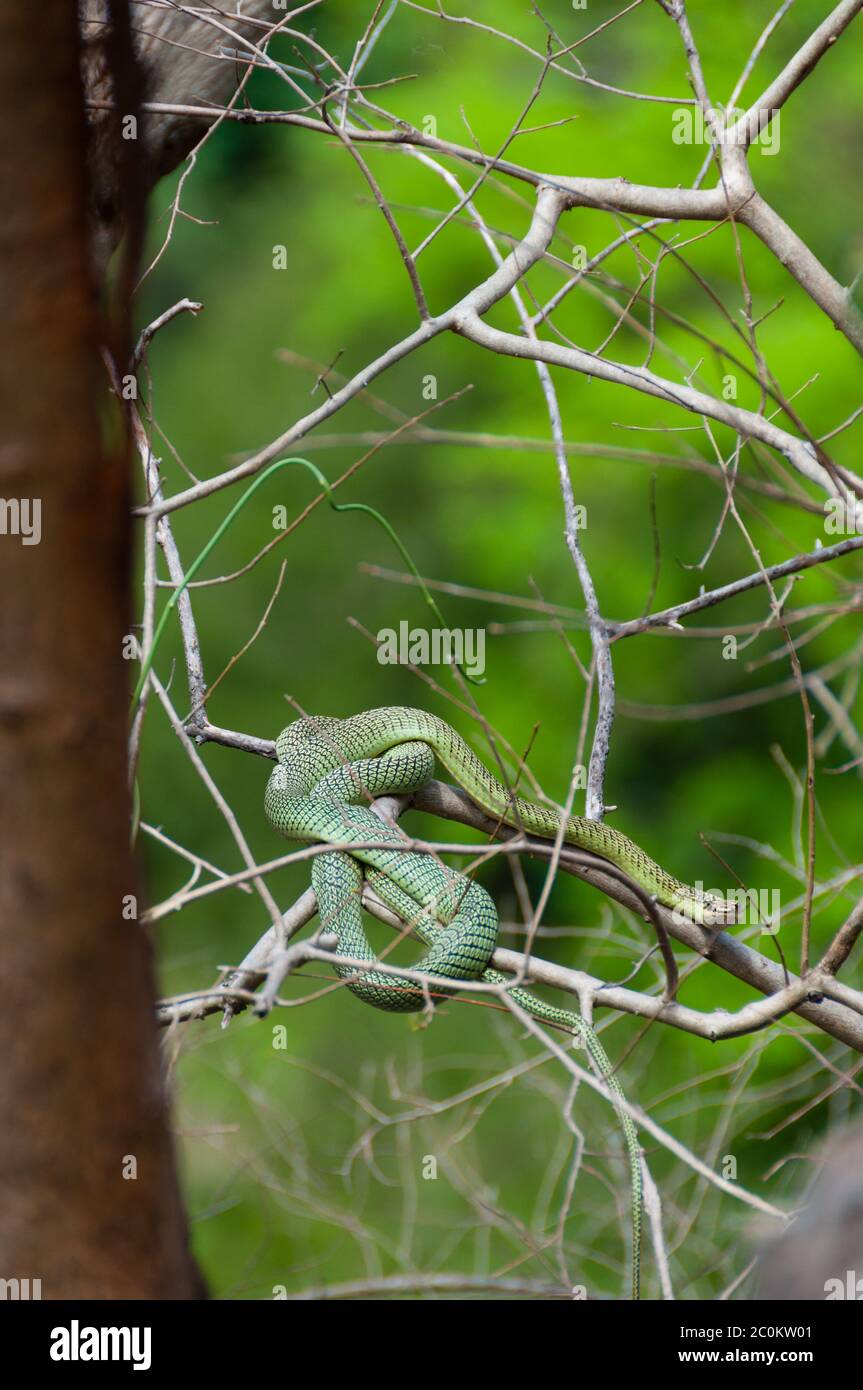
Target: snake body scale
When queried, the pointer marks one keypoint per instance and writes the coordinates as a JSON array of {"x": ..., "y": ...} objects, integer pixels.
[{"x": 327, "y": 773}]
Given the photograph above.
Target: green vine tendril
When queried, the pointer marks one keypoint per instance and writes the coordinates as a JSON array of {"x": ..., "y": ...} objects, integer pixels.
[{"x": 326, "y": 486}]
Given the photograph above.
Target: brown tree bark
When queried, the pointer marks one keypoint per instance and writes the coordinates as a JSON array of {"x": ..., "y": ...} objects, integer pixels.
[{"x": 82, "y": 1103}]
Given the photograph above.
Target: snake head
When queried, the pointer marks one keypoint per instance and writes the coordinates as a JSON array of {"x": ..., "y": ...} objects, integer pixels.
[
  {"x": 707, "y": 909},
  {"x": 717, "y": 912},
  {"x": 715, "y": 909}
]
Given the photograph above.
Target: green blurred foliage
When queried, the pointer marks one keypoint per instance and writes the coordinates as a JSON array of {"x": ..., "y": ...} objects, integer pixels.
[{"x": 266, "y": 1131}]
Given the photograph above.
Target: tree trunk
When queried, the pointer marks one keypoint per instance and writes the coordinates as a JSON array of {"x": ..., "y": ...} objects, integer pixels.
[{"x": 84, "y": 1139}]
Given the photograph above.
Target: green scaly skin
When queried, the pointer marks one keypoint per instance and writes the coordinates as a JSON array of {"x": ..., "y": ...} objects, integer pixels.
[{"x": 327, "y": 773}]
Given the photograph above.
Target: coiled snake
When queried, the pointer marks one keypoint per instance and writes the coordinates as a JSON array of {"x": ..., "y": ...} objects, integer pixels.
[{"x": 328, "y": 770}]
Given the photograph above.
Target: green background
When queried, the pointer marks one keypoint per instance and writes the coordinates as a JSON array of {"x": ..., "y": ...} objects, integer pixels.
[{"x": 281, "y": 1191}]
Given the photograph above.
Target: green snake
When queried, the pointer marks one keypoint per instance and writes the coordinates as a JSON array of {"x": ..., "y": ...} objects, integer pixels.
[{"x": 327, "y": 773}]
